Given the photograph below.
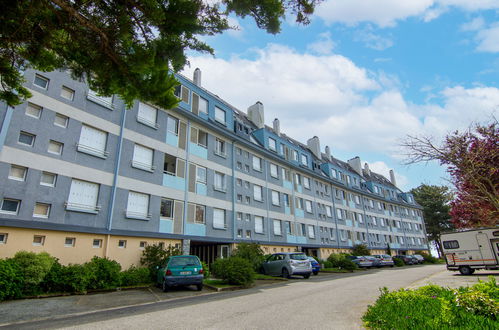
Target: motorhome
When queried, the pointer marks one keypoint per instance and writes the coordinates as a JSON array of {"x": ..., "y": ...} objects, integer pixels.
[{"x": 467, "y": 251}]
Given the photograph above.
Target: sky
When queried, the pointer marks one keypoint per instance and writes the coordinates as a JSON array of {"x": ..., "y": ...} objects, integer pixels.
[{"x": 364, "y": 74}]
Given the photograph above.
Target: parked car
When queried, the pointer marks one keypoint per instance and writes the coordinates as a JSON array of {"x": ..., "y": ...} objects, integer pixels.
[
  {"x": 361, "y": 261},
  {"x": 181, "y": 271},
  {"x": 287, "y": 264},
  {"x": 385, "y": 259},
  {"x": 376, "y": 262},
  {"x": 419, "y": 257},
  {"x": 415, "y": 260},
  {"x": 316, "y": 266},
  {"x": 408, "y": 260}
]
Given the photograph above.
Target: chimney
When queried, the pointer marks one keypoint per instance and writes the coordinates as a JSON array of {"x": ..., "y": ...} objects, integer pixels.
[
  {"x": 328, "y": 153},
  {"x": 315, "y": 146},
  {"x": 256, "y": 114},
  {"x": 367, "y": 169},
  {"x": 356, "y": 165},
  {"x": 392, "y": 178},
  {"x": 197, "y": 77},
  {"x": 277, "y": 126}
]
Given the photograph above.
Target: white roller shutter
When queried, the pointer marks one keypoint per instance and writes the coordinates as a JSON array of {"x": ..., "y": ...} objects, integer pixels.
[
  {"x": 219, "y": 218},
  {"x": 147, "y": 114},
  {"x": 83, "y": 195},
  {"x": 138, "y": 205},
  {"x": 143, "y": 157},
  {"x": 258, "y": 224},
  {"x": 92, "y": 141}
]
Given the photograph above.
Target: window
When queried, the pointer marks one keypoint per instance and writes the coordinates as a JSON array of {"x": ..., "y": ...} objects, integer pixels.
[
  {"x": 239, "y": 233},
  {"x": 339, "y": 214},
  {"x": 122, "y": 243},
  {"x": 199, "y": 214},
  {"x": 240, "y": 198},
  {"x": 41, "y": 210},
  {"x": 277, "y": 227},
  {"x": 451, "y": 244},
  {"x": 172, "y": 125},
  {"x": 311, "y": 231},
  {"x": 138, "y": 205},
  {"x": 220, "y": 147},
  {"x": 26, "y": 138},
  {"x": 33, "y": 110},
  {"x": 275, "y": 198},
  {"x": 142, "y": 245},
  {"x": 272, "y": 144},
  {"x": 239, "y": 216},
  {"x": 182, "y": 93},
  {"x": 289, "y": 230},
  {"x": 61, "y": 120},
  {"x": 69, "y": 242},
  {"x": 55, "y": 147},
  {"x": 38, "y": 240},
  {"x": 41, "y": 82},
  {"x": 202, "y": 105},
  {"x": 18, "y": 172},
  {"x": 257, "y": 163},
  {"x": 274, "y": 171},
  {"x": 329, "y": 212},
  {"x": 3, "y": 238},
  {"x": 258, "y": 224},
  {"x": 246, "y": 168},
  {"x": 92, "y": 141},
  {"x": 297, "y": 178},
  {"x": 67, "y": 93},
  {"x": 220, "y": 182},
  {"x": 83, "y": 196},
  {"x": 220, "y": 115},
  {"x": 248, "y": 200},
  {"x": 357, "y": 199},
  {"x": 304, "y": 159},
  {"x": 48, "y": 179},
  {"x": 219, "y": 219},
  {"x": 248, "y": 233},
  {"x": 200, "y": 174},
  {"x": 308, "y": 206},
  {"x": 299, "y": 203},
  {"x": 306, "y": 182},
  {"x": 143, "y": 158},
  {"x": 285, "y": 197},
  {"x": 147, "y": 115},
  {"x": 199, "y": 137},
  {"x": 239, "y": 182},
  {"x": 97, "y": 243},
  {"x": 257, "y": 193},
  {"x": 295, "y": 155},
  {"x": 10, "y": 206},
  {"x": 239, "y": 165},
  {"x": 106, "y": 101},
  {"x": 166, "y": 208}
]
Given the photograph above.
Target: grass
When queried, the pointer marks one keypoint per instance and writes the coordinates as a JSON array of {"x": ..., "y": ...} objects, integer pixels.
[
  {"x": 217, "y": 283},
  {"x": 268, "y": 277},
  {"x": 335, "y": 270}
]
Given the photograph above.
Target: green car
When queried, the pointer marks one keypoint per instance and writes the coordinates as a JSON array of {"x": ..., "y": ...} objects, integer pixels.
[{"x": 181, "y": 271}]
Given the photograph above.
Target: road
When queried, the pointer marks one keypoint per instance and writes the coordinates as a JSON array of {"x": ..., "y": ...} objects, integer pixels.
[{"x": 322, "y": 302}]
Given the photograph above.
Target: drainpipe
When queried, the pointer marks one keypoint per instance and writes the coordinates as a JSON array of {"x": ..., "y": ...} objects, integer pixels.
[
  {"x": 233, "y": 162},
  {"x": 335, "y": 217},
  {"x": 186, "y": 184},
  {"x": 116, "y": 172},
  {"x": 365, "y": 220},
  {"x": 267, "y": 196}
]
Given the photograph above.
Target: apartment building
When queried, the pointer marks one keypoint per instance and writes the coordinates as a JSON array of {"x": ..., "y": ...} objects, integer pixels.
[{"x": 82, "y": 175}]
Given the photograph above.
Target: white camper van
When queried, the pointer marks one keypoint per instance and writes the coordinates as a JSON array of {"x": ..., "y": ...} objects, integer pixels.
[{"x": 469, "y": 250}]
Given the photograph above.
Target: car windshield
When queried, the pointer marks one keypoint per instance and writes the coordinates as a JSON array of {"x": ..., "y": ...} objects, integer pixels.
[
  {"x": 298, "y": 256},
  {"x": 184, "y": 261}
]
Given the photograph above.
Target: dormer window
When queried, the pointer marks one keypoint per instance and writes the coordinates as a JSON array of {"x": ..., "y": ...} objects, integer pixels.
[
  {"x": 220, "y": 115},
  {"x": 304, "y": 160},
  {"x": 295, "y": 155},
  {"x": 272, "y": 144}
]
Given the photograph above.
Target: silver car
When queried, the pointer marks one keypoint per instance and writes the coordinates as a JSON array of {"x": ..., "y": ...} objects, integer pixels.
[{"x": 287, "y": 264}]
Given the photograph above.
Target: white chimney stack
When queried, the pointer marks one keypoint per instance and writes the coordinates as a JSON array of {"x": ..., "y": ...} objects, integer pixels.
[
  {"x": 277, "y": 127},
  {"x": 356, "y": 165},
  {"x": 367, "y": 169},
  {"x": 328, "y": 153},
  {"x": 392, "y": 178},
  {"x": 315, "y": 146},
  {"x": 256, "y": 114},
  {"x": 197, "y": 77}
]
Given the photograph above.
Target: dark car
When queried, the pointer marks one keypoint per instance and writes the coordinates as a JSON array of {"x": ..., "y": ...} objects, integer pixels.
[
  {"x": 181, "y": 271},
  {"x": 361, "y": 261},
  {"x": 316, "y": 266},
  {"x": 408, "y": 260}
]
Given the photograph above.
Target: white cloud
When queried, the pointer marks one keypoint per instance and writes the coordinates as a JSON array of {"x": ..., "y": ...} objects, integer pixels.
[
  {"x": 470, "y": 5},
  {"x": 383, "y": 169},
  {"x": 473, "y": 25},
  {"x": 323, "y": 46},
  {"x": 237, "y": 32},
  {"x": 488, "y": 39},
  {"x": 372, "y": 40},
  {"x": 349, "y": 108}
]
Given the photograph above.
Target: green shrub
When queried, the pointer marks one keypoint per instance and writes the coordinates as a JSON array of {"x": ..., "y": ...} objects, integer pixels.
[
  {"x": 104, "y": 273},
  {"x": 429, "y": 259},
  {"x": 75, "y": 278},
  {"x": 360, "y": 250},
  {"x": 206, "y": 270},
  {"x": 398, "y": 262},
  {"x": 135, "y": 276},
  {"x": 234, "y": 270},
  {"x": 251, "y": 252},
  {"x": 341, "y": 261},
  {"x": 11, "y": 280},
  {"x": 33, "y": 267},
  {"x": 434, "y": 307},
  {"x": 328, "y": 264},
  {"x": 155, "y": 255}
]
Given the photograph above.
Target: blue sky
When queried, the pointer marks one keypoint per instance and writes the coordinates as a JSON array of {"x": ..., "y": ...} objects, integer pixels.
[{"x": 364, "y": 74}]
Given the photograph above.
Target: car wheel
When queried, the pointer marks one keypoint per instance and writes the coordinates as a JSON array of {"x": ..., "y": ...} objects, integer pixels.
[
  {"x": 199, "y": 287},
  {"x": 164, "y": 286},
  {"x": 306, "y": 276},
  {"x": 285, "y": 273},
  {"x": 392, "y": 266},
  {"x": 316, "y": 273},
  {"x": 466, "y": 270}
]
